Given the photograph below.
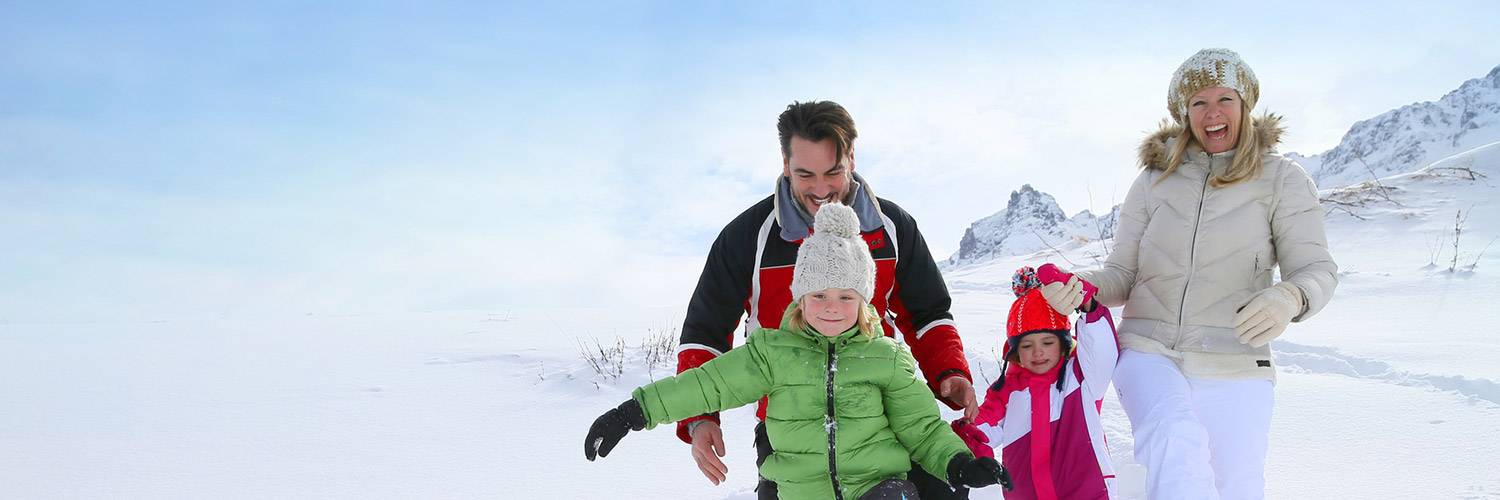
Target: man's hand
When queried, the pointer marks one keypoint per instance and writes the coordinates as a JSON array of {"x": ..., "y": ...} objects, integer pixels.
[
  {"x": 957, "y": 389},
  {"x": 708, "y": 446}
]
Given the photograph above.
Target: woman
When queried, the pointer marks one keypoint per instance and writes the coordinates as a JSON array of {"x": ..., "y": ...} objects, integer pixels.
[{"x": 1213, "y": 211}]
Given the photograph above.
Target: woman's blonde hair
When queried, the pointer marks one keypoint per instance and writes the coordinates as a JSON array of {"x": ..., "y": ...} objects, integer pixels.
[
  {"x": 868, "y": 322},
  {"x": 1246, "y": 164}
]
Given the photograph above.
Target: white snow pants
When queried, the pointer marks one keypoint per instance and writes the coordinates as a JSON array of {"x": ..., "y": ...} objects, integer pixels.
[{"x": 1198, "y": 438}]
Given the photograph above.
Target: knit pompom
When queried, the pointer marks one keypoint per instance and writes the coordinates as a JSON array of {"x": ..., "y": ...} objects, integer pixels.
[
  {"x": 836, "y": 220},
  {"x": 1024, "y": 280}
]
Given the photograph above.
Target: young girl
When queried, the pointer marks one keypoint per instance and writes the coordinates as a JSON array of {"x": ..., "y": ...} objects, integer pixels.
[
  {"x": 847, "y": 415},
  {"x": 1044, "y": 412}
]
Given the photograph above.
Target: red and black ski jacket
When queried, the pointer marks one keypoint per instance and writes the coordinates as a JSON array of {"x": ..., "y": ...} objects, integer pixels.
[{"x": 749, "y": 271}]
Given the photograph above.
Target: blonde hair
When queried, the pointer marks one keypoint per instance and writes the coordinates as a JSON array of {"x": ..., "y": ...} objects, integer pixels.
[
  {"x": 1246, "y": 164},
  {"x": 868, "y": 322}
]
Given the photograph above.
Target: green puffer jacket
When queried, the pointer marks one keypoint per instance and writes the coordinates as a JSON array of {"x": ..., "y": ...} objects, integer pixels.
[{"x": 883, "y": 416}]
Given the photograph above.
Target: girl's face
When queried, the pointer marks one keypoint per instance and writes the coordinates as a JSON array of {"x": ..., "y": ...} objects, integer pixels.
[
  {"x": 832, "y": 311},
  {"x": 1214, "y": 116},
  {"x": 1039, "y": 352}
]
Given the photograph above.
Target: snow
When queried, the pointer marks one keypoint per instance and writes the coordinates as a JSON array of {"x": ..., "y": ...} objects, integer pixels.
[
  {"x": 1393, "y": 391},
  {"x": 1390, "y": 392}
]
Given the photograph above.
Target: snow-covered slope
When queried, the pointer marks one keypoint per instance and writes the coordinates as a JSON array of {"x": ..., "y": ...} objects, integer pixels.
[
  {"x": 1389, "y": 392},
  {"x": 1392, "y": 391},
  {"x": 1412, "y": 136}
]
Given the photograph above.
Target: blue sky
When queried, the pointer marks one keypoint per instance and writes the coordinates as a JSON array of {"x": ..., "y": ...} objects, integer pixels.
[{"x": 171, "y": 159}]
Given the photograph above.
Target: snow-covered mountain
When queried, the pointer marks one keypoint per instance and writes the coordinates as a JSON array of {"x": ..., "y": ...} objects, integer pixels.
[
  {"x": 1395, "y": 142},
  {"x": 1031, "y": 221},
  {"x": 1412, "y": 136}
]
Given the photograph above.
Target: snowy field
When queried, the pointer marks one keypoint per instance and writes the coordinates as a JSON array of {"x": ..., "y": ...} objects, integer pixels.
[{"x": 1391, "y": 392}]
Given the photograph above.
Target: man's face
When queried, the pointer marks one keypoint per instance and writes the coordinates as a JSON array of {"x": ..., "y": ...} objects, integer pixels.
[{"x": 818, "y": 175}]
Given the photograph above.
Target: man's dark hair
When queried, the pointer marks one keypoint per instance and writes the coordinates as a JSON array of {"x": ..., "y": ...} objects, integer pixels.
[{"x": 815, "y": 121}]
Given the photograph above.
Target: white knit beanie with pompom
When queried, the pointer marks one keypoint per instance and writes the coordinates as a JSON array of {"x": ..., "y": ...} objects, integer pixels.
[{"x": 834, "y": 256}]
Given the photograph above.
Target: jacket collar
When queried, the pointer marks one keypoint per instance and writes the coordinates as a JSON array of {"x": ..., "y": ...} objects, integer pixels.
[
  {"x": 1155, "y": 149},
  {"x": 796, "y": 223}
]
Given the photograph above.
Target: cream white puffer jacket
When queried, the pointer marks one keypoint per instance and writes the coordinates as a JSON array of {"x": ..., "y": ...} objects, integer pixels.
[{"x": 1187, "y": 256}]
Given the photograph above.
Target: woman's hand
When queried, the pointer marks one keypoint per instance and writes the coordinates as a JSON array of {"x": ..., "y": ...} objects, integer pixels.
[
  {"x": 1267, "y": 313},
  {"x": 1064, "y": 297},
  {"x": 1050, "y": 274}
]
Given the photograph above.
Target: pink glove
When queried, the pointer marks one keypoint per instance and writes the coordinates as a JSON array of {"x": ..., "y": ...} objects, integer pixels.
[
  {"x": 973, "y": 437},
  {"x": 1049, "y": 273}
]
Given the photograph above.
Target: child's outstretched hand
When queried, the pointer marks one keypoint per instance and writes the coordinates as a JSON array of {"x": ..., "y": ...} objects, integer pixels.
[
  {"x": 611, "y": 427},
  {"x": 972, "y": 472},
  {"x": 974, "y": 438}
]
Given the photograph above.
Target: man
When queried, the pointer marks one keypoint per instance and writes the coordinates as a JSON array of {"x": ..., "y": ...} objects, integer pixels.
[{"x": 749, "y": 270}]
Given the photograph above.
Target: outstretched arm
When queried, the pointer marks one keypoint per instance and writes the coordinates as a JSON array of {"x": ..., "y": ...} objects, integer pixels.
[
  {"x": 737, "y": 378},
  {"x": 717, "y": 304}
]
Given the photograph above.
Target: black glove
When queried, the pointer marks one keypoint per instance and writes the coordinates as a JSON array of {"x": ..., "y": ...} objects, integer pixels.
[
  {"x": 965, "y": 470},
  {"x": 610, "y": 427}
]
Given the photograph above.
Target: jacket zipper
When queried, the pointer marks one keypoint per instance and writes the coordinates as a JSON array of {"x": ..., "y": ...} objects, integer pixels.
[
  {"x": 831, "y": 425},
  {"x": 1193, "y": 253}
]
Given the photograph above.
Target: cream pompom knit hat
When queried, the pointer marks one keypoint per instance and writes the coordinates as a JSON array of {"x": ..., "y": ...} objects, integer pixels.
[
  {"x": 834, "y": 256},
  {"x": 1210, "y": 68}
]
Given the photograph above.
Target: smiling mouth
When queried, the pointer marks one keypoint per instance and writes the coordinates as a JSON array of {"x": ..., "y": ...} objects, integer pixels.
[
  {"x": 1217, "y": 132},
  {"x": 818, "y": 202}
]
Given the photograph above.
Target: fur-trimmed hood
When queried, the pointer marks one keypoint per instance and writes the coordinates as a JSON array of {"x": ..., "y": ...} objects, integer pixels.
[{"x": 1154, "y": 150}]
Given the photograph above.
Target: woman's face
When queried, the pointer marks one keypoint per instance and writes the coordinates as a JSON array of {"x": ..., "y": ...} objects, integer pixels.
[
  {"x": 1214, "y": 117},
  {"x": 831, "y": 311},
  {"x": 1039, "y": 352}
]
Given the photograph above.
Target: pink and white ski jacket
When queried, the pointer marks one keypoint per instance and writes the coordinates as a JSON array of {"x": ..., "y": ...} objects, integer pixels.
[{"x": 1051, "y": 440}]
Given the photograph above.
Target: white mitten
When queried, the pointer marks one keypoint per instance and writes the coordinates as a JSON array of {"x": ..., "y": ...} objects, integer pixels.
[
  {"x": 1064, "y": 297},
  {"x": 1267, "y": 313}
]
